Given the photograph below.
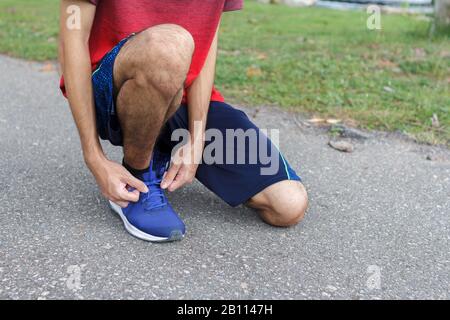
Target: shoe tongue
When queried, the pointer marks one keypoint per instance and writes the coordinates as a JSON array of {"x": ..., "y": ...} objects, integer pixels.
[
  {"x": 154, "y": 174},
  {"x": 148, "y": 176},
  {"x": 158, "y": 166}
]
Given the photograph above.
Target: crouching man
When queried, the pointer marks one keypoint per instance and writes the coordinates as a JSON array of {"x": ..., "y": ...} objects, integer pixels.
[{"x": 136, "y": 71}]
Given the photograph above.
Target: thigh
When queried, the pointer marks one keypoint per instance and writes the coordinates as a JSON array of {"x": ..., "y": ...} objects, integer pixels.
[{"x": 241, "y": 175}]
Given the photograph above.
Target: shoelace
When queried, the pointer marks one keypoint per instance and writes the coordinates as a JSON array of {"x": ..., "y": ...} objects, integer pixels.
[{"x": 155, "y": 198}]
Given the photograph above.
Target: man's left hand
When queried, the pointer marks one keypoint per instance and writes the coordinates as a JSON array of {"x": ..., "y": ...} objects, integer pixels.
[{"x": 183, "y": 167}]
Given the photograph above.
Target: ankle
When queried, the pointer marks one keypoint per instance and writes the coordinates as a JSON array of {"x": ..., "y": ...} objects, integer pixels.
[{"x": 138, "y": 173}]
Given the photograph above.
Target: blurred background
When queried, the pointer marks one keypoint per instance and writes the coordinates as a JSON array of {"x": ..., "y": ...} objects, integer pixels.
[{"x": 326, "y": 59}]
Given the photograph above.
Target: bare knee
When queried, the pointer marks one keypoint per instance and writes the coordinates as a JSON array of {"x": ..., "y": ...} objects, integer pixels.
[
  {"x": 162, "y": 58},
  {"x": 169, "y": 52},
  {"x": 283, "y": 204},
  {"x": 169, "y": 41},
  {"x": 287, "y": 215}
]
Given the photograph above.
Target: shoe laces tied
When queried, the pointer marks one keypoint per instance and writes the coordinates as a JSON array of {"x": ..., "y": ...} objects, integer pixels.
[{"x": 155, "y": 197}]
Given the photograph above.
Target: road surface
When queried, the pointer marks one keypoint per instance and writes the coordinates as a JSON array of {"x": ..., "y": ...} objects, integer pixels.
[{"x": 377, "y": 227}]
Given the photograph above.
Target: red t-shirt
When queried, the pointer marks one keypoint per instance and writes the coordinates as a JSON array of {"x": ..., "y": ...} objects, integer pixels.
[{"x": 116, "y": 19}]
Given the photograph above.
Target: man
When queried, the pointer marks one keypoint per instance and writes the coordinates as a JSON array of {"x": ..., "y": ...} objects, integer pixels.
[{"x": 136, "y": 71}]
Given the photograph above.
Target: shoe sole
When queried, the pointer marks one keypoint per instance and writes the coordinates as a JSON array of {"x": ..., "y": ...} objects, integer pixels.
[{"x": 175, "y": 235}]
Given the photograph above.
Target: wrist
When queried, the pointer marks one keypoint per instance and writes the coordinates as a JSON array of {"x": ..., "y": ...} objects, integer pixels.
[
  {"x": 93, "y": 158},
  {"x": 197, "y": 147},
  {"x": 197, "y": 136}
]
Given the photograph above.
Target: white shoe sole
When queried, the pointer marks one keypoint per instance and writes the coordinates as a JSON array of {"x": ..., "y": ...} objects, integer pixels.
[{"x": 174, "y": 236}]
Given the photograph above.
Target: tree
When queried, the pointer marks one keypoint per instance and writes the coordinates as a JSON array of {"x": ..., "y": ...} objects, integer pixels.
[{"x": 442, "y": 15}]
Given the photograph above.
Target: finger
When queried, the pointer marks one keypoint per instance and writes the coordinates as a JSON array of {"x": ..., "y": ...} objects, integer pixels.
[
  {"x": 136, "y": 183},
  {"x": 170, "y": 175},
  {"x": 129, "y": 196},
  {"x": 179, "y": 181},
  {"x": 176, "y": 184},
  {"x": 135, "y": 195},
  {"x": 122, "y": 204}
]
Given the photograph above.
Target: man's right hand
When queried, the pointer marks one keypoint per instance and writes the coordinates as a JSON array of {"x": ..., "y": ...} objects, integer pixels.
[{"x": 114, "y": 182}]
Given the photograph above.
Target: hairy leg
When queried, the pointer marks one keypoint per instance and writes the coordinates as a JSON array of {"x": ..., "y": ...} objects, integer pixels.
[
  {"x": 149, "y": 76},
  {"x": 282, "y": 204}
]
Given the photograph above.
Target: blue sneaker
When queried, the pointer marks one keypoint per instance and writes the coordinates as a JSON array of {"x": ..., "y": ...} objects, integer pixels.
[{"x": 152, "y": 218}]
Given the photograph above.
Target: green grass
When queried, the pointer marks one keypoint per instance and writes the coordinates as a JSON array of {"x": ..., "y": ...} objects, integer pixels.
[
  {"x": 319, "y": 61},
  {"x": 29, "y": 28}
]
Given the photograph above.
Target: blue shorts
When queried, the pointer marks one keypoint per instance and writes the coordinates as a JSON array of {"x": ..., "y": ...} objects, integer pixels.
[{"x": 233, "y": 181}]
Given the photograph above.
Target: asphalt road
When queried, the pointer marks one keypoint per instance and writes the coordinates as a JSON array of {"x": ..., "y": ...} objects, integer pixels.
[{"x": 377, "y": 227}]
